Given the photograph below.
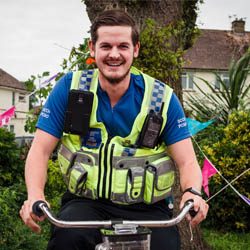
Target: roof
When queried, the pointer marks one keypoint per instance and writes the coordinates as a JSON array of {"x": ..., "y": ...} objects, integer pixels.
[
  {"x": 214, "y": 49},
  {"x": 6, "y": 80}
]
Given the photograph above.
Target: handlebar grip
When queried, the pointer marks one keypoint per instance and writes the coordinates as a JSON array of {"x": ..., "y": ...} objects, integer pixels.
[
  {"x": 192, "y": 212},
  {"x": 36, "y": 208}
]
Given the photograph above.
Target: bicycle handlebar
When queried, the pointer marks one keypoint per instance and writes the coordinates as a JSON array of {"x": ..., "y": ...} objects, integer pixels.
[{"x": 41, "y": 208}]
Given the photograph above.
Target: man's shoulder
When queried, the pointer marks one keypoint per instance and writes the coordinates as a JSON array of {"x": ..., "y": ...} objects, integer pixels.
[{"x": 138, "y": 81}]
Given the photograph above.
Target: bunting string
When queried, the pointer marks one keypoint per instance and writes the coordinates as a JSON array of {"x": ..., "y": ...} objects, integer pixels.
[
  {"x": 195, "y": 127},
  {"x": 245, "y": 199},
  {"x": 46, "y": 82},
  {"x": 235, "y": 179},
  {"x": 43, "y": 84}
]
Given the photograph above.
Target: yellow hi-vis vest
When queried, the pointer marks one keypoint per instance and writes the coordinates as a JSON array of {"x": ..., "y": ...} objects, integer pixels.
[{"x": 116, "y": 170}]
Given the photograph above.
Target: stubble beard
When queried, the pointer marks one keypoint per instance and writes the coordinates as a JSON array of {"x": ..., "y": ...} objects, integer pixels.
[{"x": 117, "y": 80}]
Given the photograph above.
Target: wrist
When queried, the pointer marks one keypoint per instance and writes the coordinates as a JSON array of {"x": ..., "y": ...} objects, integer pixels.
[
  {"x": 193, "y": 191},
  {"x": 36, "y": 196}
]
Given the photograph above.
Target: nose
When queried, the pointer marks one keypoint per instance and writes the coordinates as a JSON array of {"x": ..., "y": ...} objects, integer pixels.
[{"x": 114, "y": 53}]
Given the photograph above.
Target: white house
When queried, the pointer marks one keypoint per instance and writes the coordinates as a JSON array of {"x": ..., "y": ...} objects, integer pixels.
[
  {"x": 13, "y": 93},
  {"x": 213, "y": 52}
]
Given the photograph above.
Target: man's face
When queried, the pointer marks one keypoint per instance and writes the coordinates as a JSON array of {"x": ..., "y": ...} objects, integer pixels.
[{"x": 114, "y": 52}]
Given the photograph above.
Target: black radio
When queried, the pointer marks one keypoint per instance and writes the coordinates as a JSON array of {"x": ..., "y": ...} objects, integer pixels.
[
  {"x": 151, "y": 130},
  {"x": 78, "y": 112}
]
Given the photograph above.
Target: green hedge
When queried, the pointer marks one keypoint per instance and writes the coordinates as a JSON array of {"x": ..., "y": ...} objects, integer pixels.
[{"x": 13, "y": 233}]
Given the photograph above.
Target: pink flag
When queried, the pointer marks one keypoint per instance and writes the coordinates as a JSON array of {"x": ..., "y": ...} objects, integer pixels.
[
  {"x": 5, "y": 117},
  {"x": 208, "y": 171}
]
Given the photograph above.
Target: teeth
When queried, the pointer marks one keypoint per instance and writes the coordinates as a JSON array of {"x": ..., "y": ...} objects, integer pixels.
[{"x": 114, "y": 64}]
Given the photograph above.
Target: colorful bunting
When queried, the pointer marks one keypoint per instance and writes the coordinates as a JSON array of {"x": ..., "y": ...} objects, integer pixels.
[
  {"x": 46, "y": 82},
  {"x": 196, "y": 126},
  {"x": 208, "y": 171},
  {"x": 6, "y": 116},
  {"x": 229, "y": 184}
]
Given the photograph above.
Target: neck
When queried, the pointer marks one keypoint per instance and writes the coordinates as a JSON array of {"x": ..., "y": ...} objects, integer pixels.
[{"x": 115, "y": 91}]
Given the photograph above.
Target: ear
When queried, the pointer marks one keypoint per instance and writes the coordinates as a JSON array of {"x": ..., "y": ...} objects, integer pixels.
[
  {"x": 91, "y": 48},
  {"x": 136, "y": 50}
]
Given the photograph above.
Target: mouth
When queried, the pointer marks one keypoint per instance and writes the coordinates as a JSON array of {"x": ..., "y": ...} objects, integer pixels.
[{"x": 114, "y": 64}]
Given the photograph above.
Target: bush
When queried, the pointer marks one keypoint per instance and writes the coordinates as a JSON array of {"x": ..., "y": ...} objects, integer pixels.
[
  {"x": 230, "y": 155},
  {"x": 55, "y": 186},
  {"x": 13, "y": 233},
  {"x": 11, "y": 166}
]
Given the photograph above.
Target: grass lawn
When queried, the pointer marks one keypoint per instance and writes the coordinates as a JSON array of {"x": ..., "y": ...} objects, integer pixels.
[{"x": 226, "y": 241}]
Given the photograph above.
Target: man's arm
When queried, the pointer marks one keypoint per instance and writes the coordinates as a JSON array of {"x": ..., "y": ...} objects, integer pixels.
[
  {"x": 183, "y": 154},
  {"x": 36, "y": 175}
]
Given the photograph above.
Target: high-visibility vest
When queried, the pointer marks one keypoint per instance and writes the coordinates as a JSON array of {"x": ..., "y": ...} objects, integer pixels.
[{"x": 115, "y": 169}]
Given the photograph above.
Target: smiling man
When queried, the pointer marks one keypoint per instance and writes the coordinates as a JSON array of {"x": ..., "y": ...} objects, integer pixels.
[
  {"x": 120, "y": 136},
  {"x": 114, "y": 53}
]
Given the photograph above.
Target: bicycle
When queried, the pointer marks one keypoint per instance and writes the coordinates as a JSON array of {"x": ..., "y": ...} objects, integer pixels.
[{"x": 117, "y": 234}]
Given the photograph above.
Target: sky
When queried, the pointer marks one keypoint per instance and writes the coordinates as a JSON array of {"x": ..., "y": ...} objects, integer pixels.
[{"x": 36, "y": 35}]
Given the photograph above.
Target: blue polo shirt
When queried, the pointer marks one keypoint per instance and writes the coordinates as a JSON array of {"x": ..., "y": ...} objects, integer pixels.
[{"x": 117, "y": 120}]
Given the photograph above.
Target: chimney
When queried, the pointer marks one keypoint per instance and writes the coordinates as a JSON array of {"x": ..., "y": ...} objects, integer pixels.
[{"x": 238, "y": 26}]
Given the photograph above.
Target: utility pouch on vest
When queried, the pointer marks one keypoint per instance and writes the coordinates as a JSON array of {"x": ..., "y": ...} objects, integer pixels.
[
  {"x": 80, "y": 172},
  {"x": 77, "y": 179},
  {"x": 78, "y": 112},
  {"x": 134, "y": 185},
  {"x": 159, "y": 179},
  {"x": 66, "y": 160},
  {"x": 128, "y": 180}
]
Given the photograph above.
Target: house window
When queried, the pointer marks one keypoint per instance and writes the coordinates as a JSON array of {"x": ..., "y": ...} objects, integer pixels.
[
  {"x": 12, "y": 127},
  {"x": 224, "y": 77},
  {"x": 13, "y": 98},
  {"x": 21, "y": 98},
  {"x": 187, "y": 81}
]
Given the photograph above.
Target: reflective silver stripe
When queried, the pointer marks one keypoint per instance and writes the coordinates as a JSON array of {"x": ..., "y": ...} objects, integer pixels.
[
  {"x": 78, "y": 156},
  {"x": 136, "y": 179},
  {"x": 165, "y": 165},
  {"x": 142, "y": 161},
  {"x": 118, "y": 198},
  {"x": 66, "y": 153}
]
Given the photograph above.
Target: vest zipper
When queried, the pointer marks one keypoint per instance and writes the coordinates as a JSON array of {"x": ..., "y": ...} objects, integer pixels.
[
  {"x": 99, "y": 170},
  {"x": 111, "y": 169},
  {"x": 105, "y": 166}
]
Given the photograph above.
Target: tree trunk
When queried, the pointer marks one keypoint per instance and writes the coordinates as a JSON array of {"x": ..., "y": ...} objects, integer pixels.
[
  {"x": 197, "y": 242},
  {"x": 164, "y": 12}
]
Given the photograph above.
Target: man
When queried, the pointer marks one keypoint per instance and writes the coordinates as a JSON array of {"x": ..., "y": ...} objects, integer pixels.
[{"x": 110, "y": 168}]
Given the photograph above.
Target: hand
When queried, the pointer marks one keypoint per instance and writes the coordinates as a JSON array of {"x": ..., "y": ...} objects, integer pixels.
[
  {"x": 200, "y": 206},
  {"x": 28, "y": 217}
]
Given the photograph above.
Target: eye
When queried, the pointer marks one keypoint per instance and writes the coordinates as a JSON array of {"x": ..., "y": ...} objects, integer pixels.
[
  {"x": 105, "y": 46},
  {"x": 123, "y": 46}
]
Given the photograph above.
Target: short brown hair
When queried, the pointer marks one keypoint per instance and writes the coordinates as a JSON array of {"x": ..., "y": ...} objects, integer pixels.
[{"x": 114, "y": 17}]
